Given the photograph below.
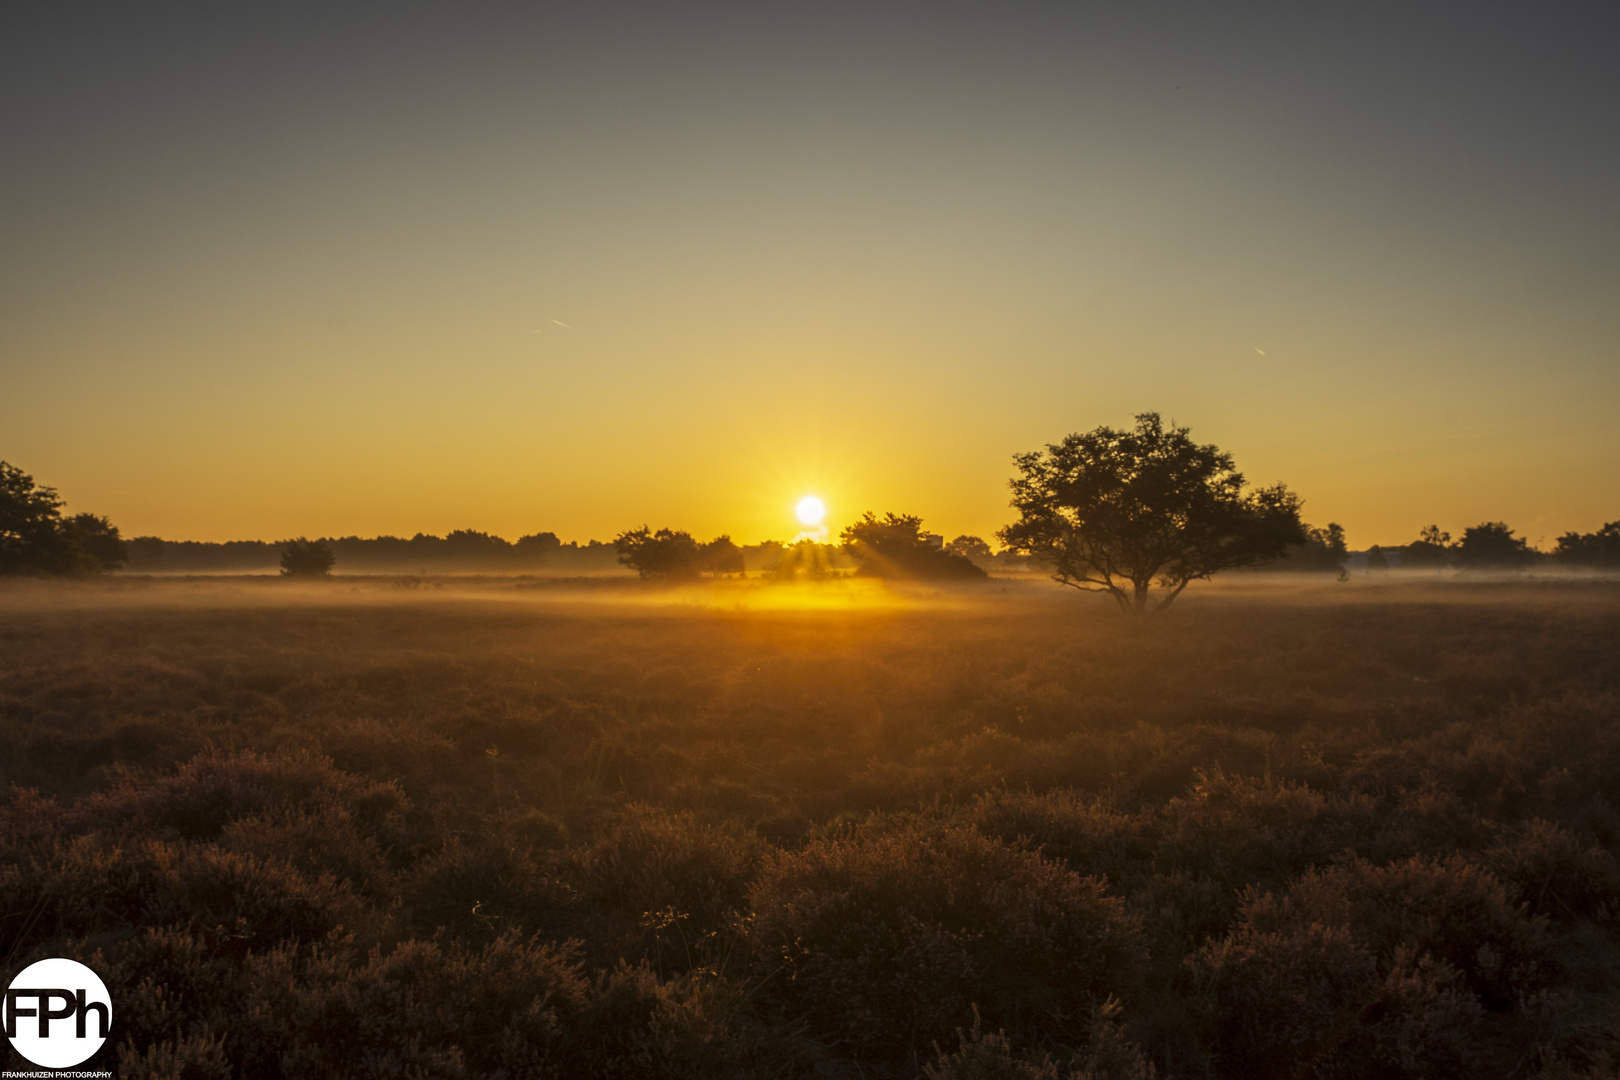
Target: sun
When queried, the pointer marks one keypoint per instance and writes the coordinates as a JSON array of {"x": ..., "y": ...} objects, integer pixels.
[{"x": 810, "y": 510}]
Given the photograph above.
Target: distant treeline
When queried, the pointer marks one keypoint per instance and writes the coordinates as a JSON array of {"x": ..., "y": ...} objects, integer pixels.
[
  {"x": 1491, "y": 545},
  {"x": 36, "y": 538},
  {"x": 462, "y": 551}
]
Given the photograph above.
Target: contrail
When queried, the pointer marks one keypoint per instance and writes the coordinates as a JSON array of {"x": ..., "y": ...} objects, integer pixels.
[
  {"x": 560, "y": 323},
  {"x": 1259, "y": 350}
]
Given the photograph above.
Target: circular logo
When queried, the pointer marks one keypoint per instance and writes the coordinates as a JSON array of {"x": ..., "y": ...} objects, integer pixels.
[{"x": 57, "y": 1013}]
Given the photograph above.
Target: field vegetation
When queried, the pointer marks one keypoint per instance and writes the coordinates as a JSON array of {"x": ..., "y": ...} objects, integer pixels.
[{"x": 346, "y": 829}]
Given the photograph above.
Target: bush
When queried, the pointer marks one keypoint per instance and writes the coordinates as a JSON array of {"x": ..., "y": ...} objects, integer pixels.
[
  {"x": 670, "y": 875},
  {"x": 886, "y": 934},
  {"x": 981, "y": 1056},
  {"x": 1081, "y": 831},
  {"x": 307, "y": 558},
  {"x": 214, "y": 788},
  {"x": 1557, "y": 875},
  {"x": 1359, "y": 968}
]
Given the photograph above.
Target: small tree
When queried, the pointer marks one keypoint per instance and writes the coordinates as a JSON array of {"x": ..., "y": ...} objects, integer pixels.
[
  {"x": 721, "y": 556},
  {"x": 536, "y": 548},
  {"x": 665, "y": 555},
  {"x": 1377, "y": 561},
  {"x": 895, "y": 545},
  {"x": 1323, "y": 550},
  {"x": 1118, "y": 511},
  {"x": 306, "y": 558},
  {"x": 1432, "y": 549},
  {"x": 1599, "y": 550},
  {"x": 1492, "y": 546},
  {"x": 969, "y": 547},
  {"x": 96, "y": 543},
  {"x": 806, "y": 561}
]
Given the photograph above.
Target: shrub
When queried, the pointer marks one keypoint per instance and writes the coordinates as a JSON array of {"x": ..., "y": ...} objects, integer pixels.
[
  {"x": 214, "y": 788},
  {"x": 1246, "y": 831},
  {"x": 481, "y": 885},
  {"x": 1289, "y": 997},
  {"x": 650, "y": 859},
  {"x": 237, "y": 902},
  {"x": 1557, "y": 875},
  {"x": 307, "y": 558},
  {"x": 885, "y": 934},
  {"x": 981, "y": 1056},
  {"x": 1080, "y": 830},
  {"x": 1359, "y": 969}
]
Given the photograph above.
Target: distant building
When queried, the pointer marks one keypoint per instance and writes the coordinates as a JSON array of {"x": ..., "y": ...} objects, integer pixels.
[{"x": 935, "y": 541}]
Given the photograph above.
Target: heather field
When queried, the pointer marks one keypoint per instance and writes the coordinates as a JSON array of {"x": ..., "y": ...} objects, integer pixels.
[{"x": 514, "y": 828}]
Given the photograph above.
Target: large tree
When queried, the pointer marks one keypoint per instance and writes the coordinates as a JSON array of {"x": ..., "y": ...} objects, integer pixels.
[{"x": 1119, "y": 512}]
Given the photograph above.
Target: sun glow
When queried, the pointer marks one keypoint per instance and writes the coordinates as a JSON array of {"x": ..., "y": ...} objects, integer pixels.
[{"x": 810, "y": 510}]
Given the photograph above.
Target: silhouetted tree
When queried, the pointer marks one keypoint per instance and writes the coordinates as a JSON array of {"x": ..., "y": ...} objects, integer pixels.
[
  {"x": 1377, "y": 561},
  {"x": 30, "y": 525},
  {"x": 96, "y": 542},
  {"x": 1599, "y": 550},
  {"x": 536, "y": 548},
  {"x": 1321, "y": 550},
  {"x": 765, "y": 555},
  {"x": 35, "y": 539},
  {"x": 1492, "y": 545},
  {"x": 1118, "y": 511},
  {"x": 306, "y": 558},
  {"x": 806, "y": 561},
  {"x": 475, "y": 549},
  {"x": 1432, "y": 549},
  {"x": 665, "y": 555},
  {"x": 895, "y": 545},
  {"x": 145, "y": 552},
  {"x": 721, "y": 556},
  {"x": 969, "y": 547}
]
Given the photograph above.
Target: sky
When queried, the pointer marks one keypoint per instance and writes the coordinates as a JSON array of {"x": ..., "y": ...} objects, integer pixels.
[{"x": 338, "y": 269}]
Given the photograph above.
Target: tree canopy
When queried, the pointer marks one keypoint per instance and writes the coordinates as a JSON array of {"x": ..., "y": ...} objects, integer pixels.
[
  {"x": 665, "y": 555},
  {"x": 36, "y": 539},
  {"x": 720, "y": 556},
  {"x": 969, "y": 547},
  {"x": 1432, "y": 550},
  {"x": 1492, "y": 545},
  {"x": 895, "y": 545},
  {"x": 1119, "y": 512},
  {"x": 1599, "y": 550},
  {"x": 307, "y": 558},
  {"x": 1323, "y": 549},
  {"x": 675, "y": 555}
]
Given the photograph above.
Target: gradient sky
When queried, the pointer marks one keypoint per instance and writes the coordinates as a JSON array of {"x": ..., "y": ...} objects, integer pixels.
[{"x": 336, "y": 269}]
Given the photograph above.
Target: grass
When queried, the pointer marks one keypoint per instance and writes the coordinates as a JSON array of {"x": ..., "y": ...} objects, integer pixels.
[{"x": 493, "y": 828}]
